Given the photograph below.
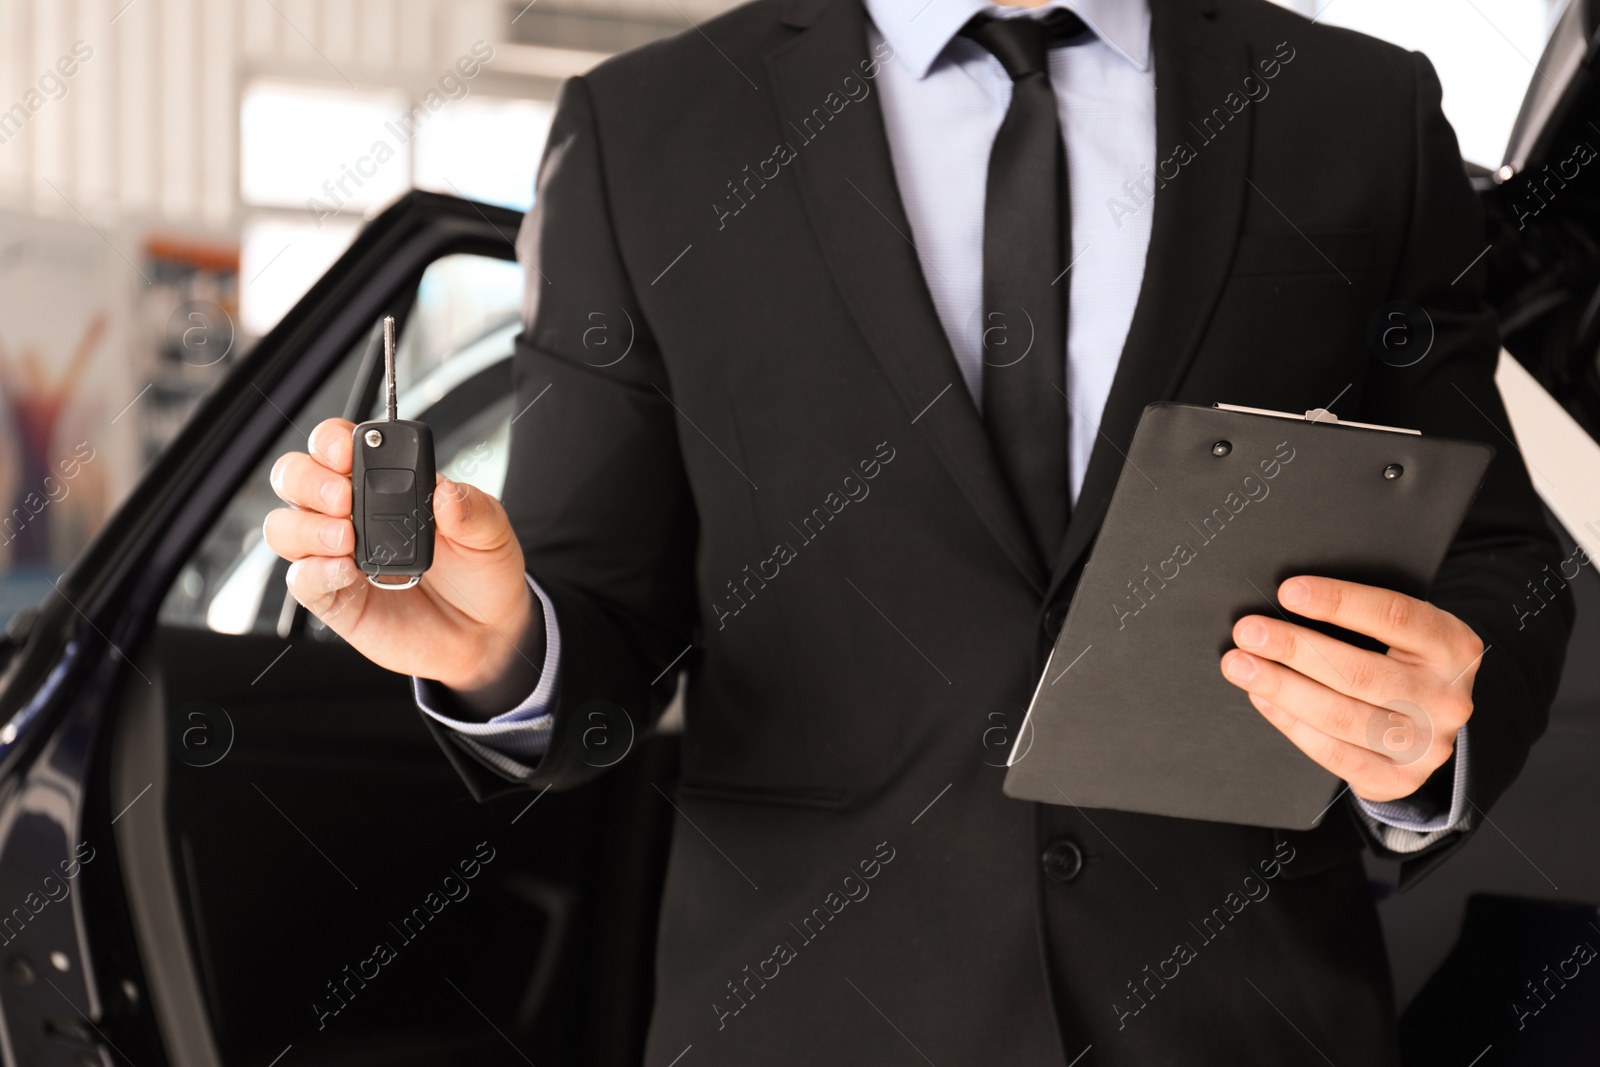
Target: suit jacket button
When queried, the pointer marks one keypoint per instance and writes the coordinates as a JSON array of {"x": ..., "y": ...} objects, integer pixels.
[
  {"x": 1062, "y": 860},
  {"x": 1053, "y": 618}
]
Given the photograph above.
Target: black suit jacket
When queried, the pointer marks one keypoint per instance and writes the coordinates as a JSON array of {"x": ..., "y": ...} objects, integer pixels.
[{"x": 785, "y": 473}]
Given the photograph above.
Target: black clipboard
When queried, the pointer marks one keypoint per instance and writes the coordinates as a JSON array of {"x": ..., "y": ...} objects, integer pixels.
[{"x": 1213, "y": 509}]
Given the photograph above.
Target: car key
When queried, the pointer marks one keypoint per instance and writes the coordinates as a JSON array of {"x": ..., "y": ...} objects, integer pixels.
[{"x": 391, "y": 482}]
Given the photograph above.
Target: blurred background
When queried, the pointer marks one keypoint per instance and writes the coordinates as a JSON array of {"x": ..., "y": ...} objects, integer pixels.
[{"x": 174, "y": 174}]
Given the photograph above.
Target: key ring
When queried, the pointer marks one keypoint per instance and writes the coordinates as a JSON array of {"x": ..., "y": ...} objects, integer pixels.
[{"x": 411, "y": 580}]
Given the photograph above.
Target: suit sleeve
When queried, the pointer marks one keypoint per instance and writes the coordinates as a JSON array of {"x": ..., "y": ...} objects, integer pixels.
[
  {"x": 595, "y": 485},
  {"x": 1504, "y": 542},
  {"x": 525, "y": 729}
]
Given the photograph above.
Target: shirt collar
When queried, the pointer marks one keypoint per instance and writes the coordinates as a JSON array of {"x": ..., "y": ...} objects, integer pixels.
[{"x": 919, "y": 31}]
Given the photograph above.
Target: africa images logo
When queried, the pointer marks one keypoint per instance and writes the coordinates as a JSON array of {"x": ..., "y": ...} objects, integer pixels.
[{"x": 1251, "y": 489}]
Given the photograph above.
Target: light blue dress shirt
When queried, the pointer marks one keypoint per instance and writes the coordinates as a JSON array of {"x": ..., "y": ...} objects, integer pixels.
[{"x": 943, "y": 98}]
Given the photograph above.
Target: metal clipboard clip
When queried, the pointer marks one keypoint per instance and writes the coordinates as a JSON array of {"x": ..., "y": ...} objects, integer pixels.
[{"x": 1322, "y": 415}]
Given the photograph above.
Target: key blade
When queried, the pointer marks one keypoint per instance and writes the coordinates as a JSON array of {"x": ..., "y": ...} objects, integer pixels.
[{"x": 391, "y": 404}]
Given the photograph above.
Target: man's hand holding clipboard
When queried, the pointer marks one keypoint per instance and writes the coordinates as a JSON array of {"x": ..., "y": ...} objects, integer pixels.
[
  {"x": 1383, "y": 722},
  {"x": 1289, "y": 556}
]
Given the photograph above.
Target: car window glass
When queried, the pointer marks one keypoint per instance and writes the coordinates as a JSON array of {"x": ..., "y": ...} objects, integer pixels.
[{"x": 461, "y": 300}]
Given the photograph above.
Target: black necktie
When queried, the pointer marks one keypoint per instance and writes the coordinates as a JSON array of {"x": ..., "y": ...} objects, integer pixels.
[{"x": 1026, "y": 249}]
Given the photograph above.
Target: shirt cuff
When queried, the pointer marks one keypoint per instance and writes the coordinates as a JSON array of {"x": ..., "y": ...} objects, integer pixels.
[
  {"x": 1411, "y": 824},
  {"x": 525, "y": 729}
]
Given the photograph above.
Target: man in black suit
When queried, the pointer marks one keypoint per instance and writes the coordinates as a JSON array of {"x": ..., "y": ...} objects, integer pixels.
[{"x": 779, "y": 490}]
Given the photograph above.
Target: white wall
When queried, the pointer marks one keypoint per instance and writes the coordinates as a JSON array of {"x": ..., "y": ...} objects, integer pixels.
[
  {"x": 1484, "y": 52},
  {"x": 146, "y": 129}
]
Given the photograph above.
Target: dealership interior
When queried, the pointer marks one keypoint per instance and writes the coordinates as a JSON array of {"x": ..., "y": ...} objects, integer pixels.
[{"x": 176, "y": 175}]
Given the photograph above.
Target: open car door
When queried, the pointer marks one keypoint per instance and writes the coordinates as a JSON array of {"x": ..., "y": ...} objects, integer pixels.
[{"x": 243, "y": 844}]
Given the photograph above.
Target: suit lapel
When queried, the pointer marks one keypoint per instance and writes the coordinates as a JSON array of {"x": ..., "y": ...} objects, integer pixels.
[
  {"x": 1193, "y": 232},
  {"x": 847, "y": 184}
]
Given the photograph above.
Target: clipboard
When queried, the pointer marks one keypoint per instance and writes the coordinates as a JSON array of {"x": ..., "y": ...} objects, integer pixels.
[{"x": 1213, "y": 509}]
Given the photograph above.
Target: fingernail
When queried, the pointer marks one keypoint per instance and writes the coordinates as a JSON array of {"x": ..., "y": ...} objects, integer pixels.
[
  {"x": 1295, "y": 593},
  {"x": 1241, "y": 668},
  {"x": 1252, "y": 634},
  {"x": 331, "y": 534},
  {"x": 330, "y": 493}
]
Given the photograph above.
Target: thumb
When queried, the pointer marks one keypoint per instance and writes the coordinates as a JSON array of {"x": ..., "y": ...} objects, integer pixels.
[{"x": 468, "y": 516}]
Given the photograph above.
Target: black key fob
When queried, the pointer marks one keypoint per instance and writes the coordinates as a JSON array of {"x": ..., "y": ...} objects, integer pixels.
[{"x": 391, "y": 481}]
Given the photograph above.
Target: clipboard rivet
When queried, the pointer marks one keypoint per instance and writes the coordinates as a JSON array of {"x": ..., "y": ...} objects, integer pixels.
[
  {"x": 1221, "y": 448},
  {"x": 1062, "y": 860},
  {"x": 1393, "y": 471}
]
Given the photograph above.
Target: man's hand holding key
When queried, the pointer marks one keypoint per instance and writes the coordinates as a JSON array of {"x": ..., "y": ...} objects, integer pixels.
[{"x": 471, "y": 624}]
